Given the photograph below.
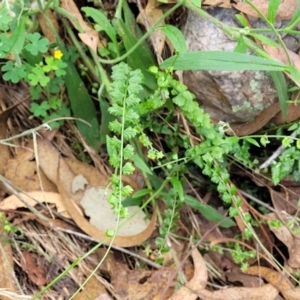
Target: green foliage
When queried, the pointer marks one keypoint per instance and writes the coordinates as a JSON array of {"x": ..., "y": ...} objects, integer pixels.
[
  {"x": 37, "y": 44},
  {"x": 126, "y": 127}
]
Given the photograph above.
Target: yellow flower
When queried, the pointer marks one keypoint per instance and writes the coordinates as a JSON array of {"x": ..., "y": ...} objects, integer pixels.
[{"x": 58, "y": 54}]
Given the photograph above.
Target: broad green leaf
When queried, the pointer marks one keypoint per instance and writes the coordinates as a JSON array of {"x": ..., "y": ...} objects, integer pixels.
[
  {"x": 17, "y": 37},
  {"x": 131, "y": 201},
  {"x": 295, "y": 73},
  {"x": 142, "y": 193},
  {"x": 140, "y": 163},
  {"x": 252, "y": 141},
  {"x": 175, "y": 36},
  {"x": 221, "y": 61},
  {"x": 241, "y": 46},
  {"x": 82, "y": 106},
  {"x": 208, "y": 212},
  {"x": 265, "y": 40},
  {"x": 281, "y": 88},
  {"x": 177, "y": 186},
  {"x": 242, "y": 20},
  {"x": 272, "y": 10}
]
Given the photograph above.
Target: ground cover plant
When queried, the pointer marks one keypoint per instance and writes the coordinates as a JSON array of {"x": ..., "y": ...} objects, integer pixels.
[{"x": 109, "y": 149}]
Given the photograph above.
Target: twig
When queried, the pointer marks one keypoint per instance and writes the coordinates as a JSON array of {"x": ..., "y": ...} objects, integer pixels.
[
  {"x": 86, "y": 237},
  {"x": 277, "y": 152}
]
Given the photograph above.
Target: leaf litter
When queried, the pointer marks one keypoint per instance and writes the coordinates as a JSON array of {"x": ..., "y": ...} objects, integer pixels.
[{"x": 55, "y": 250}]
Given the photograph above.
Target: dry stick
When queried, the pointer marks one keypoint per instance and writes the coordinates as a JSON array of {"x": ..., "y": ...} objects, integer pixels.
[
  {"x": 89, "y": 238},
  {"x": 257, "y": 201},
  {"x": 277, "y": 152}
]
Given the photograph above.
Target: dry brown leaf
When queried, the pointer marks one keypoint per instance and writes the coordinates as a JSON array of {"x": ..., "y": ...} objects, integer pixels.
[
  {"x": 286, "y": 9},
  {"x": 94, "y": 177},
  {"x": 128, "y": 241},
  {"x": 293, "y": 294},
  {"x": 35, "y": 273},
  {"x": 197, "y": 283},
  {"x": 7, "y": 278},
  {"x": 58, "y": 171},
  {"x": 49, "y": 160},
  {"x": 140, "y": 284},
  {"x": 265, "y": 292},
  {"x": 91, "y": 290},
  {"x": 283, "y": 201},
  {"x": 24, "y": 175},
  {"x": 12, "y": 202},
  {"x": 46, "y": 29},
  {"x": 87, "y": 34},
  {"x": 79, "y": 183},
  {"x": 96, "y": 206},
  {"x": 104, "y": 296},
  {"x": 197, "y": 288},
  {"x": 148, "y": 17},
  {"x": 291, "y": 241},
  {"x": 272, "y": 276},
  {"x": 4, "y": 149},
  {"x": 280, "y": 55},
  {"x": 217, "y": 3}
]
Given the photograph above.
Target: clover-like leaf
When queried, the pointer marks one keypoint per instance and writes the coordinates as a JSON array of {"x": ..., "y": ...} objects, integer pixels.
[
  {"x": 37, "y": 43},
  {"x": 40, "y": 110},
  {"x": 12, "y": 72},
  {"x": 38, "y": 77}
]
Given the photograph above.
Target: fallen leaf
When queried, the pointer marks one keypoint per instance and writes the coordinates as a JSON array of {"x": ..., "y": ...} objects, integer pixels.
[
  {"x": 46, "y": 28},
  {"x": 87, "y": 34},
  {"x": 137, "y": 284},
  {"x": 78, "y": 183},
  {"x": 280, "y": 55},
  {"x": 91, "y": 290},
  {"x": 96, "y": 206},
  {"x": 275, "y": 278},
  {"x": 33, "y": 198},
  {"x": 59, "y": 172},
  {"x": 83, "y": 224},
  {"x": 264, "y": 292},
  {"x": 49, "y": 161},
  {"x": 217, "y": 3},
  {"x": 197, "y": 283},
  {"x": 35, "y": 273},
  {"x": 291, "y": 241},
  {"x": 24, "y": 175},
  {"x": 293, "y": 294},
  {"x": 196, "y": 287},
  {"x": 148, "y": 17},
  {"x": 286, "y": 9},
  {"x": 7, "y": 278},
  {"x": 4, "y": 149}
]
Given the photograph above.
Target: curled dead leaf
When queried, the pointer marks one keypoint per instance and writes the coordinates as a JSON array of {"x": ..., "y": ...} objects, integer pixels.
[
  {"x": 83, "y": 224},
  {"x": 96, "y": 206},
  {"x": 196, "y": 287},
  {"x": 33, "y": 198}
]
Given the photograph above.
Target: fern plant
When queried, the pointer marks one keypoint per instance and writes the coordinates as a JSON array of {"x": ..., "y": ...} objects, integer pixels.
[{"x": 124, "y": 90}]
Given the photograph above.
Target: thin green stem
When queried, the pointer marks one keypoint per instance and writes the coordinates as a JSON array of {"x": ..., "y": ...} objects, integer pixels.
[
  {"x": 231, "y": 31},
  {"x": 78, "y": 46},
  {"x": 262, "y": 16}
]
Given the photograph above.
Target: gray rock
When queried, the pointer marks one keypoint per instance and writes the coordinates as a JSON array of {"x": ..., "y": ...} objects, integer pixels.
[{"x": 228, "y": 96}]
